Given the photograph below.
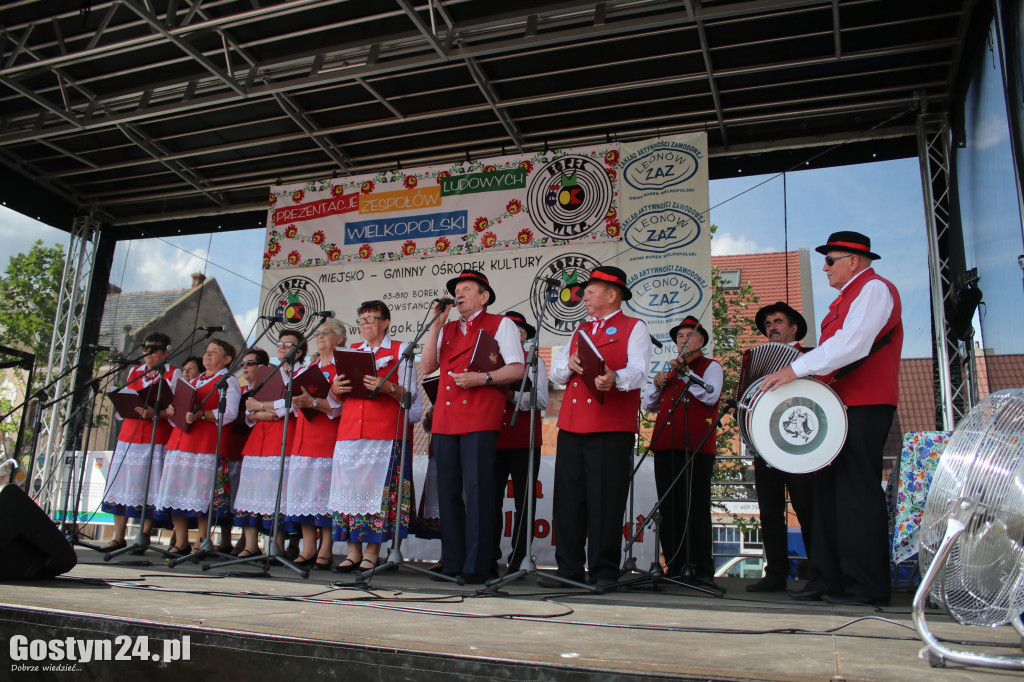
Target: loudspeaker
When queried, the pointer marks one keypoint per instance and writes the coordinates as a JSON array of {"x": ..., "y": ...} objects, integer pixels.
[{"x": 31, "y": 546}]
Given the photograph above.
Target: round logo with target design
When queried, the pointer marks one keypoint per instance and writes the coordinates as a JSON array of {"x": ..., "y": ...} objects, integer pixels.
[
  {"x": 294, "y": 299},
  {"x": 565, "y": 309},
  {"x": 570, "y": 197}
]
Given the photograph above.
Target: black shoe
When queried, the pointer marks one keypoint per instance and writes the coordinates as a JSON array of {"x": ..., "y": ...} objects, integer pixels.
[
  {"x": 843, "y": 599},
  {"x": 768, "y": 584},
  {"x": 437, "y": 567},
  {"x": 806, "y": 594},
  {"x": 474, "y": 578},
  {"x": 345, "y": 566}
]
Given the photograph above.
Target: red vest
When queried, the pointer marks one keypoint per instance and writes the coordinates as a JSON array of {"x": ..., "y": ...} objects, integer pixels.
[
  {"x": 876, "y": 380},
  {"x": 512, "y": 438},
  {"x": 139, "y": 430},
  {"x": 466, "y": 410},
  {"x": 378, "y": 418},
  {"x": 265, "y": 438},
  {"x": 316, "y": 437},
  {"x": 673, "y": 435},
  {"x": 202, "y": 436},
  {"x": 581, "y": 413}
]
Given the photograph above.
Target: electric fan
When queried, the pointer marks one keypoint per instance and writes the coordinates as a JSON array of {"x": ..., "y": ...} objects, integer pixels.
[{"x": 972, "y": 530}]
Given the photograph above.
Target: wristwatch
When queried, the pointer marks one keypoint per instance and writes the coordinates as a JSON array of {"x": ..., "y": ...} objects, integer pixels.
[
  {"x": 393, "y": 388},
  {"x": 490, "y": 379},
  {"x": 316, "y": 401}
]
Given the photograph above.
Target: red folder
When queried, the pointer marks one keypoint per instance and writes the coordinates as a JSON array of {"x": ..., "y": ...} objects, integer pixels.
[
  {"x": 593, "y": 364},
  {"x": 356, "y": 364},
  {"x": 486, "y": 355},
  {"x": 314, "y": 381},
  {"x": 184, "y": 401},
  {"x": 274, "y": 388},
  {"x": 125, "y": 401}
]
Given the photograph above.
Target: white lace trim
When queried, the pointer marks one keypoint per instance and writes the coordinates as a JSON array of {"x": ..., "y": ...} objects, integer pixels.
[
  {"x": 186, "y": 481},
  {"x": 359, "y": 473},
  {"x": 126, "y": 477},
  {"x": 257, "y": 485},
  {"x": 308, "y": 489}
]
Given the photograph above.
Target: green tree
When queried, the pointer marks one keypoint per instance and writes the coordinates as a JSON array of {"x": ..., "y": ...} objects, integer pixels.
[{"x": 28, "y": 298}]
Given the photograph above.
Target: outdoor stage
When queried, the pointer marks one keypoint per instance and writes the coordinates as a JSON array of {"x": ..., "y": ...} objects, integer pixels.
[{"x": 243, "y": 626}]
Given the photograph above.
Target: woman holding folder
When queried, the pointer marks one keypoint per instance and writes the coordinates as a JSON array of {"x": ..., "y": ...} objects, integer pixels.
[
  {"x": 308, "y": 486},
  {"x": 364, "y": 482},
  {"x": 191, "y": 466}
]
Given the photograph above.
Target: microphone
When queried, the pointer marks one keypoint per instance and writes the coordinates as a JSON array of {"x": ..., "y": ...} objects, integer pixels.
[
  {"x": 271, "y": 318},
  {"x": 553, "y": 282},
  {"x": 444, "y": 301},
  {"x": 655, "y": 341},
  {"x": 211, "y": 328},
  {"x": 687, "y": 374},
  {"x": 324, "y": 313}
]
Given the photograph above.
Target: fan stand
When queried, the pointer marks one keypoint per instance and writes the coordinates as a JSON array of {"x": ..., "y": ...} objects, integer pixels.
[{"x": 936, "y": 652}]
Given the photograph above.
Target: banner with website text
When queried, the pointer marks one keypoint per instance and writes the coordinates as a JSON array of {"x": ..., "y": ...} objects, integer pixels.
[{"x": 400, "y": 235}]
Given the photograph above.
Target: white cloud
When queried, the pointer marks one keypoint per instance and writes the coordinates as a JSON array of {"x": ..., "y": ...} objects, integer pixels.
[
  {"x": 724, "y": 244},
  {"x": 154, "y": 265},
  {"x": 246, "y": 320}
]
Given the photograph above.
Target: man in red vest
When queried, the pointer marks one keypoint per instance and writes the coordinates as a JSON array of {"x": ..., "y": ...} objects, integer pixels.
[
  {"x": 859, "y": 356},
  {"x": 595, "y": 438},
  {"x": 467, "y": 419},
  {"x": 780, "y": 323},
  {"x": 684, "y": 447}
]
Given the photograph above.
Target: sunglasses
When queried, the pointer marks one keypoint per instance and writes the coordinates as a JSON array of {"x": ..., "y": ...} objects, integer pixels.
[
  {"x": 249, "y": 363},
  {"x": 285, "y": 344},
  {"x": 830, "y": 261},
  {"x": 153, "y": 346}
]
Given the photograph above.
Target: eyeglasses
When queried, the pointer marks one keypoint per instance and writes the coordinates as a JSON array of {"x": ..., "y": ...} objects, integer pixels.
[
  {"x": 830, "y": 261},
  {"x": 323, "y": 332},
  {"x": 153, "y": 346},
  {"x": 249, "y": 363},
  {"x": 285, "y": 344},
  {"x": 370, "y": 319}
]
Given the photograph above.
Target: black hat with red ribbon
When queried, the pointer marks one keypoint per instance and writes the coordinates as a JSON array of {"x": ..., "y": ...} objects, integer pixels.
[
  {"x": 609, "y": 274},
  {"x": 849, "y": 242},
  {"x": 689, "y": 321},
  {"x": 521, "y": 322},
  {"x": 472, "y": 276}
]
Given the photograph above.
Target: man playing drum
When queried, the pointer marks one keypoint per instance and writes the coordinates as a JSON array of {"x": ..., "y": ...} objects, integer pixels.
[
  {"x": 781, "y": 324},
  {"x": 859, "y": 356}
]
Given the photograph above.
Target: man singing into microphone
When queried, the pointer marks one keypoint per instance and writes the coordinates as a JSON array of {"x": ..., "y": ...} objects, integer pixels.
[
  {"x": 467, "y": 419},
  {"x": 684, "y": 447}
]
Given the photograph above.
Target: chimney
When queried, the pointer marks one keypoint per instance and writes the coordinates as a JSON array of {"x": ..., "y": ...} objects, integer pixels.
[{"x": 197, "y": 279}]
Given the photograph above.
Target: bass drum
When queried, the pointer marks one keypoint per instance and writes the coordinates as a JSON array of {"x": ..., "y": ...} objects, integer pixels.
[{"x": 798, "y": 428}]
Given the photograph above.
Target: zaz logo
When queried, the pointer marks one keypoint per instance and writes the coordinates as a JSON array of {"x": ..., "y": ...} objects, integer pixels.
[
  {"x": 661, "y": 228},
  {"x": 662, "y": 295},
  {"x": 661, "y": 169}
]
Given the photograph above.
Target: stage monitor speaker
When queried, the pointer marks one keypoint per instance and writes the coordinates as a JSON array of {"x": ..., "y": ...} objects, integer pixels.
[{"x": 31, "y": 546}]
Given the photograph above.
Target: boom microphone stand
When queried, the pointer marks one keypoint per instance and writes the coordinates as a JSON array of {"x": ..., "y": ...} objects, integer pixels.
[{"x": 529, "y": 565}]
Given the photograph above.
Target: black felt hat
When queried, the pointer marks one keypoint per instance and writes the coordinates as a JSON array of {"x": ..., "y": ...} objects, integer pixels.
[
  {"x": 780, "y": 307},
  {"x": 609, "y": 274},
  {"x": 851, "y": 242},
  {"x": 521, "y": 322},
  {"x": 472, "y": 276},
  {"x": 689, "y": 321}
]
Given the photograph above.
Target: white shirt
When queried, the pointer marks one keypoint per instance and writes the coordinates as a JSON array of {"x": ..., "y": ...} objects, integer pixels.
[
  {"x": 416, "y": 408},
  {"x": 507, "y": 337},
  {"x": 638, "y": 358},
  {"x": 234, "y": 395},
  {"x": 540, "y": 380},
  {"x": 865, "y": 318},
  {"x": 713, "y": 375}
]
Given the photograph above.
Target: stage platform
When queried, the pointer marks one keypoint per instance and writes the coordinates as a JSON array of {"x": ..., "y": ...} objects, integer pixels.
[{"x": 241, "y": 625}]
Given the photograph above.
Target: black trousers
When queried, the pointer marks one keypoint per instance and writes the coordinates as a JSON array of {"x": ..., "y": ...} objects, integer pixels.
[
  {"x": 771, "y": 485},
  {"x": 686, "y": 510},
  {"x": 514, "y": 462},
  {"x": 850, "y": 554},
  {"x": 591, "y": 486},
  {"x": 465, "y": 496}
]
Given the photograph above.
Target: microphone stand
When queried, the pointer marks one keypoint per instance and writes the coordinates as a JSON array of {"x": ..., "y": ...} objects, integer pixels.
[
  {"x": 71, "y": 532},
  {"x": 274, "y": 553},
  {"x": 395, "y": 559},
  {"x": 529, "y": 565}
]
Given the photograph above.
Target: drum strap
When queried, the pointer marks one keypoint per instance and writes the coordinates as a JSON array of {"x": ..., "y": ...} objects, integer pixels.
[{"x": 875, "y": 347}]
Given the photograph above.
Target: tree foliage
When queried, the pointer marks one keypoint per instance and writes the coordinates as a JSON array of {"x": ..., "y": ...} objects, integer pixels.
[{"x": 28, "y": 298}]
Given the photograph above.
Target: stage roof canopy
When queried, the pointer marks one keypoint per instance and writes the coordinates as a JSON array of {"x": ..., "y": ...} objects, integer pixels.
[{"x": 173, "y": 114}]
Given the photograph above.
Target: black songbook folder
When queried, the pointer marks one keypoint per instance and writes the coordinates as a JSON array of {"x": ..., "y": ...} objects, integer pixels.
[
  {"x": 274, "y": 388},
  {"x": 126, "y": 400},
  {"x": 593, "y": 364},
  {"x": 430, "y": 388},
  {"x": 356, "y": 364},
  {"x": 486, "y": 355},
  {"x": 184, "y": 402},
  {"x": 314, "y": 381}
]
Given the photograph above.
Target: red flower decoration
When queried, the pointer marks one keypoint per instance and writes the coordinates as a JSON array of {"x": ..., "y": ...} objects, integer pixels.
[
  {"x": 365, "y": 251},
  {"x": 612, "y": 228},
  {"x": 410, "y": 181},
  {"x": 490, "y": 169},
  {"x": 337, "y": 190},
  {"x": 409, "y": 247},
  {"x": 273, "y": 198},
  {"x": 481, "y": 224},
  {"x": 291, "y": 231},
  {"x": 525, "y": 236},
  {"x": 611, "y": 157},
  {"x": 611, "y": 212},
  {"x": 367, "y": 186},
  {"x": 334, "y": 254},
  {"x": 528, "y": 165},
  {"x": 514, "y": 206},
  {"x": 612, "y": 173},
  {"x": 293, "y": 257},
  {"x": 274, "y": 248},
  {"x": 266, "y": 261},
  {"x": 298, "y": 195},
  {"x": 489, "y": 239},
  {"x": 442, "y": 174},
  {"x": 318, "y": 237},
  {"x": 442, "y": 244}
]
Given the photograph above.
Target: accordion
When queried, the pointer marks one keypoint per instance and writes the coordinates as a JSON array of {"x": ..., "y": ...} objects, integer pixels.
[{"x": 762, "y": 360}]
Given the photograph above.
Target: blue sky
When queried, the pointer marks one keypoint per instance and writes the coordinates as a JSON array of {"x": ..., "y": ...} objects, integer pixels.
[{"x": 882, "y": 200}]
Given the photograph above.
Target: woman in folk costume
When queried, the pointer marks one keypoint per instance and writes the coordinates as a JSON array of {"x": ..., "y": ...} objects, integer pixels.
[
  {"x": 364, "y": 483},
  {"x": 191, "y": 466},
  {"x": 257, "y": 483},
  {"x": 307, "y": 493},
  {"x": 126, "y": 483}
]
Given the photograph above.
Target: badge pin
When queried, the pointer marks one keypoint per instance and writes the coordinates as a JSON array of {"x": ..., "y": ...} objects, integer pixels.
[{"x": 611, "y": 330}]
